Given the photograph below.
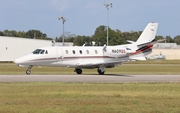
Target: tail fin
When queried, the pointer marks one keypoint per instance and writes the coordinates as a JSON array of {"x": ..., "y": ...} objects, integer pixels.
[
  {"x": 148, "y": 34},
  {"x": 145, "y": 42}
]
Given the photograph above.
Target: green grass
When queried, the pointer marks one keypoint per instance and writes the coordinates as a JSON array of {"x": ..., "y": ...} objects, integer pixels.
[
  {"x": 56, "y": 97},
  {"x": 139, "y": 67},
  {"x": 48, "y": 97}
]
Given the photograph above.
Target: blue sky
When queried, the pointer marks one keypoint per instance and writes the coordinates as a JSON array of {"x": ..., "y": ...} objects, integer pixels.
[{"x": 84, "y": 16}]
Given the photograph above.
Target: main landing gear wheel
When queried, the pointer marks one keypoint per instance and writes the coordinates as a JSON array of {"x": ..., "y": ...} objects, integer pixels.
[
  {"x": 28, "y": 71},
  {"x": 100, "y": 72},
  {"x": 78, "y": 71}
]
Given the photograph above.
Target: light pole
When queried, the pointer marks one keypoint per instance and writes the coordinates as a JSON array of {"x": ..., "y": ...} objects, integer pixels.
[
  {"x": 107, "y": 6},
  {"x": 63, "y": 20}
]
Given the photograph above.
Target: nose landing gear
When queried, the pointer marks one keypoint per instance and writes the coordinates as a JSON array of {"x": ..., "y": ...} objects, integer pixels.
[{"x": 28, "y": 71}]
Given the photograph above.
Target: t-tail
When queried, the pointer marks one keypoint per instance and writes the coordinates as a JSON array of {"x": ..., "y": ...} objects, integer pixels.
[
  {"x": 148, "y": 35},
  {"x": 145, "y": 42}
]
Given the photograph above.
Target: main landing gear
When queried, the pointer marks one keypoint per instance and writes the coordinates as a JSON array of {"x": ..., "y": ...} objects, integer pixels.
[
  {"x": 28, "y": 71},
  {"x": 101, "y": 71},
  {"x": 78, "y": 71}
]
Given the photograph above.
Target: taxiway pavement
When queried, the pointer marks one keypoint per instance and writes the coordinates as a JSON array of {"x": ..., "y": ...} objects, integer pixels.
[{"x": 90, "y": 78}]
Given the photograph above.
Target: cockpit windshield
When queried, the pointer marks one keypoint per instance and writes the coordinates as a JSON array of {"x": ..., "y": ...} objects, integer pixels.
[{"x": 39, "y": 51}]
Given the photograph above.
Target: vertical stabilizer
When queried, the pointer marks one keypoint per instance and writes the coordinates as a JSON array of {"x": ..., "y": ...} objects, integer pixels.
[{"x": 148, "y": 34}]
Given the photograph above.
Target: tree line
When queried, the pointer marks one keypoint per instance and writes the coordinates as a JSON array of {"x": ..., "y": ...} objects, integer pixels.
[
  {"x": 116, "y": 37},
  {"x": 36, "y": 34}
]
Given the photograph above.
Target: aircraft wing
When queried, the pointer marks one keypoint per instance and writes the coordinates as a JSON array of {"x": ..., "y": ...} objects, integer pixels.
[{"x": 97, "y": 65}]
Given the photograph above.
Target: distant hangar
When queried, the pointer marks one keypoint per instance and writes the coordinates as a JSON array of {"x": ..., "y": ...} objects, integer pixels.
[{"x": 12, "y": 48}]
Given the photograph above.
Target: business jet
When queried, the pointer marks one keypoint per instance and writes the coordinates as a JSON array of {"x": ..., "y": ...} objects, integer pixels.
[{"x": 89, "y": 57}]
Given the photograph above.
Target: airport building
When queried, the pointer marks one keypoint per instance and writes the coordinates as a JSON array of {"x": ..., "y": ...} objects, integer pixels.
[
  {"x": 170, "y": 54},
  {"x": 171, "y": 51},
  {"x": 12, "y": 48}
]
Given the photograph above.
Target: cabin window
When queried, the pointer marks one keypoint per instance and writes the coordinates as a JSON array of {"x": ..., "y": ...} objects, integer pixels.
[
  {"x": 67, "y": 52},
  {"x": 73, "y": 52},
  {"x": 80, "y": 51},
  {"x": 96, "y": 51},
  {"x": 128, "y": 49},
  {"x": 87, "y": 51}
]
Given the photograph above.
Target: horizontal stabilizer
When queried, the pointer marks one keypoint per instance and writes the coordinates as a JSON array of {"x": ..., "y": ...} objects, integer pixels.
[
  {"x": 137, "y": 58},
  {"x": 150, "y": 43},
  {"x": 130, "y": 41}
]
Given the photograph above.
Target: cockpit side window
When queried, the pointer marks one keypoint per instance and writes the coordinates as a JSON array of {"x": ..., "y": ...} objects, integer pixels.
[
  {"x": 42, "y": 51},
  {"x": 46, "y": 52},
  {"x": 37, "y": 51}
]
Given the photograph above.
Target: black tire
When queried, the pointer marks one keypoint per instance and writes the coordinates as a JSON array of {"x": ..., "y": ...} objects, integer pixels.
[
  {"x": 28, "y": 72},
  {"x": 100, "y": 72},
  {"x": 79, "y": 71}
]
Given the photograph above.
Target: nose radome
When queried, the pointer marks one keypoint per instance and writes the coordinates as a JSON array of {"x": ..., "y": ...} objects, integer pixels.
[{"x": 17, "y": 61}]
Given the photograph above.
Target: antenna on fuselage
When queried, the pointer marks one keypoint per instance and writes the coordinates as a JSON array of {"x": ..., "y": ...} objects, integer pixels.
[
  {"x": 104, "y": 48},
  {"x": 84, "y": 44}
]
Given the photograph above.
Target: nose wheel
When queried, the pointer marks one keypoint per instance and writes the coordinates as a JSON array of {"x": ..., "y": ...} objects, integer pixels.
[{"x": 28, "y": 71}]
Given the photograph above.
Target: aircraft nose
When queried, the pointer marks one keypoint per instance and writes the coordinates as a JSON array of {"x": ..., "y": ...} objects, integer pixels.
[{"x": 19, "y": 61}]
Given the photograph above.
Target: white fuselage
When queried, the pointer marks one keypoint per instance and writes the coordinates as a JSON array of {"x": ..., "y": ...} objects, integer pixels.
[{"x": 86, "y": 57}]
